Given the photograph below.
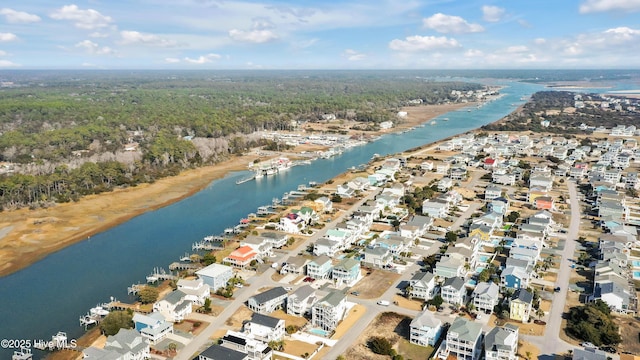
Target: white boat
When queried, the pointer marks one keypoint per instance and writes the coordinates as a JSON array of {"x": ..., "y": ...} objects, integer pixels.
[
  {"x": 446, "y": 119},
  {"x": 99, "y": 310},
  {"x": 432, "y": 123}
]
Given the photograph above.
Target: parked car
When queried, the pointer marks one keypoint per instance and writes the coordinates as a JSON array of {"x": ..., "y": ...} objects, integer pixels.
[
  {"x": 588, "y": 345},
  {"x": 383, "y": 302},
  {"x": 609, "y": 349},
  {"x": 355, "y": 293},
  {"x": 288, "y": 288},
  {"x": 557, "y": 289}
]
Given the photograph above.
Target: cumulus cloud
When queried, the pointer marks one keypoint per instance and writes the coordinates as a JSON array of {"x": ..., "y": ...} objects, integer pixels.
[
  {"x": 14, "y": 17},
  {"x": 516, "y": 49},
  {"x": 203, "y": 59},
  {"x": 591, "y": 6},
  {"x": 171, "y": 60},
  {"x": 95, "y": 49},
  {"x": 492, "y": 13},
  {"x": 540, "y": 41},
  {"x": 98, "y": 35},
  {"x": 138, "y": 38},
  {"x": 253, "y": 36},
  {"x": 450, "y": 24},
  {"x": 7, "y": 63},
  {"x": 7, "y": 37},
  {"x": 84, "y": 19},
  {"x": 473, "y": 53},
  {"x": 423, "y": 43},
  {"x": 353, "y": 55}
]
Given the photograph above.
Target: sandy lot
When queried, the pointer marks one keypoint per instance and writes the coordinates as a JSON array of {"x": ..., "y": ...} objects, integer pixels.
[
  {"x": 239, "y": 317},
  {"x": 27, "y": 236},
  {"x": 352, "y": 317},
  {"x": 375, "y": 284}
]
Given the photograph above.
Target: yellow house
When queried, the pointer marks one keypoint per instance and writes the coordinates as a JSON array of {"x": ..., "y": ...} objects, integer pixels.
[
  {"x": 534, "y": 194},
  {"x": 481, "y": 232},
  {"x": 520, "y": 305}
]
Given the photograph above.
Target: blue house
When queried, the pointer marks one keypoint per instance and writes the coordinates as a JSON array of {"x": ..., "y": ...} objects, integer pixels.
[
  {"x": 320, "y": 267},
  {"x": 347, "y": 271},
  {"x": 514, "y": 277},
  {"x": 152, "y": 326}
]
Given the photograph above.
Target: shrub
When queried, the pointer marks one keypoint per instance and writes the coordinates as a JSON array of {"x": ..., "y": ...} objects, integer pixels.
[{"x": 380, "y": 345}]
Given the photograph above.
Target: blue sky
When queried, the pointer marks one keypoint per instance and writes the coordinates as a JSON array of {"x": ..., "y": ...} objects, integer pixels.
[{"x": 328, "y": 34}]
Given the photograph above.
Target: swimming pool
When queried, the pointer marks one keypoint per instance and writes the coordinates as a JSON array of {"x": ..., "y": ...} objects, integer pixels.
[
  {"x": 484, "y": 258},
  {"x": 635, "y": 263},
  {"x": 319, "y": 332}
]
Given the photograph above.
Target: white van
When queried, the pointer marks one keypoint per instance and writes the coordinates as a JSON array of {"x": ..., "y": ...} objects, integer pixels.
[{"x": 383, "y": 302}]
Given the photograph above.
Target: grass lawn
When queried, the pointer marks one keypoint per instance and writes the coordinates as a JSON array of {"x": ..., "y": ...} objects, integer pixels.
[{"x": 413, "y": 351}]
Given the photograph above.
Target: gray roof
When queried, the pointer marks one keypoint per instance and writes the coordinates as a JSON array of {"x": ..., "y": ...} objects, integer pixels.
[
  {"x": 418, "y": 220},
  {"x": 521, "y": 263},
  {"x": 174, "y": 297},
  {"x": 347, "y": 264},
  {"x": 126, "y": 340},
  {"x": 265, "y": 320},
  {"x": 426, "y": 319},
  {"x": 522, "y": 295},
  {"x": 297, "y": 261},
  {"x": 322, "y": 259},
  {"x": 496, "y": 339},
  {"x": 270, "y": 294},
  {"x": 380, "y": 251},
  {"x": 589, "y": 354},
  {"x": 455, "y": 282},
  {"x": 303, "y": 292},
  {"x": 466, "y": 330},
  {"x": 487, "y": 288},
  {"x": 333, "y": 298},
  {"x": 217, "y": 352},
  {"x": 92, "y": 353},
  {"x": 424, "y": 277}
]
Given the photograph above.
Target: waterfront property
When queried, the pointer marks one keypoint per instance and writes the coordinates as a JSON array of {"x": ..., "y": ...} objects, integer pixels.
[
  {"x": 174, "y": 307},
  {"x": 241, "y": 257},
  {"x": 154, "y": 327},
  {"x": 196, "y": 290},
  {"x": 126, "y": 344},
  {"x": 215, "y": 275}
]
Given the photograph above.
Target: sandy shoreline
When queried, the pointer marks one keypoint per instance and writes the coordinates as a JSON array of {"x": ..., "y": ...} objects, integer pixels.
[{"x": 27, "y": 236}]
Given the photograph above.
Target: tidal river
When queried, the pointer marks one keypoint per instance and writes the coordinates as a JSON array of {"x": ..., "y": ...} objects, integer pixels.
[{"x": 50, "y": 295}]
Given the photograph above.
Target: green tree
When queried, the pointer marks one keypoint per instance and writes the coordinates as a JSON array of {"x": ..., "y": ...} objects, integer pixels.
[
  {"x": 208, "y": 259},
  {"x": 116, "y": 320},
  {"x": 451, "y": 237},
  {"x": 436, "y": 301},
  {"x": 513, "y": 216},
  {"x": 379, "y": 345},
  {"x": 207, "y": 305},
  {"x": 148, "y": 294}
]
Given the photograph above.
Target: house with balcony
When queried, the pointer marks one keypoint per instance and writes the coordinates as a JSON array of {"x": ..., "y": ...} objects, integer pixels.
[
  {"x": 453, "y": 291},
  {"x": 215, "y": 275},
  {"x": 241, "y": 257},
  {"x": 328, "y": 247},
  {"x": 485, "y": 296},
  {"x": 291, "y": 223},
  {"x": 492, "y": 192},
  {"x": 329, "y": 311},
  {"x": 268, "y": 301},
  {"x": 449, "y": 266},
  {"x": 300, "y": 301},
  {"x": 244, "y": 343},
  {"x": 425, "y": 329},
  {"x": 377, "y": 256},
  {"x": 436, "y": 209},
  {"x": 445, "y": 184},
  {"x": 215, "y": 352},
  {"x": 501, "y": 343},
  {"x": 416, "y": 226},
  {"x": 174, "y": 307},
  {"x": 422, "y": 286},
  {"x": 520, "y": 305},
  {"x": 464, "y": 340},
  {"x": 276, "y": 240},
  {"x": 346, "y": 272},
  {"x": 153, "y": 326},
  {"x": 265, "y": 328},
  {"x": 515, "y": 277},
  {"x": 129, "y": 344},
  {"x": 320, "y": 267},
  {"x": 294, "y": 265},
  {"x": 196, "y": 290},
  {"x": 261, "y": 245}
]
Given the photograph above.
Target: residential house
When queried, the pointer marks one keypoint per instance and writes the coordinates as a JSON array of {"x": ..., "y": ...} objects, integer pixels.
[
  {"x": 329, "y": 311},
  {"x": 520, "y": 305},
  {"x": 324, "y": 246},
  {"x": 464, "y": 340},
  {"x": 216, "y": 352},
  {"x": 445, "y": 184},
  {"x": 416, "y": 226},
  {"x": 616, "y": 294},
  {"x": 241, "y": 257},
  {"x": 377, "y": 256},
  {"x": 215, "y": 275},
  {"x": 325, "y": 204},
  {"x": 422, "y": 286},
  {"x": 260, "y": 244},
  {"x": 450, "y": 266},
  {"x": 492, "y": 191},
  {"x": 396, "y": 244},
  {"x": 453, "y": 291},
  {"x": 425, "y": 329},
  {"x": 593, "y": 354},
  {"x": 347, "y": 272},
  {"x": 544, "y": 203},
  {"x": 268, "y": 301},
  {"x": 504, "y": 179},
  {"x": 265, "y": 328},
  {"x": 485, "y": 296},
  {"x": 515, "y": 277},
  {"x": 499, "y": 205},
  {"x": 436, "y": 209},
  {"x": 196, "y": 290},
  {"x": 128, "y": 343},
  {"x": 244, "y": 343},
  {"x": 308, "y": 215},
  {"x": 443, "y": 168},
  {"x": 301, "y": 300},
  {"x": 174, "y": 307},
  {"x": 153, "y": 326},
  {"x": 294, "y": 265},
  {"x": 501, "y": 343},
  {"x": 319, "y": 267},
  {"x": 291, "y": 223}
]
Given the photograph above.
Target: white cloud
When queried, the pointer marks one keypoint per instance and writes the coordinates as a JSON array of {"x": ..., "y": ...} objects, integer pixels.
[
  {"x": 171, "y": 60},
  {"x": 353, "y": 55},
  {"x": 591, "y": 6},
  {"x": 303, "y": 44},
  {"x": 84, "y": 19},
  {"x": 516, "y": 49},
  {"x": 14, "y": 16},
  {"x": 492, "y": 13},
  {"x": 3, "y": 53},
  {"x": 7, "y": 37},
  {"x": 138, "y": 38},
  {"x": 7, "y": 63},
  {"x": 473, "y": 53},
  {"x": 423, "y": 43},
  {"x": 450, "y": 24},
  {"x": 203, "y": 59},
  {"x": 95, "y": 49},
  {"x": 540, "y": 41},
  {"x": 253, "y": 36},
  {"x": 98, "y": 35}
]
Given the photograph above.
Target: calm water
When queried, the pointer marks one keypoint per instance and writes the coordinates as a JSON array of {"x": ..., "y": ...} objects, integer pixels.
[{"x": 51, "y": 295}]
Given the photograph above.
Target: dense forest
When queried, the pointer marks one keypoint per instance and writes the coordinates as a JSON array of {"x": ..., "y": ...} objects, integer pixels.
[
  {"x": 67, "y": 134},
  {"x": 566, "y": 111}
]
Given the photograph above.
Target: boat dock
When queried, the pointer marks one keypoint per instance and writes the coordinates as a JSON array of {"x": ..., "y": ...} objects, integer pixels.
[
  {"x": 159, "y": 274},
  {"x": 22, "y": 354}
]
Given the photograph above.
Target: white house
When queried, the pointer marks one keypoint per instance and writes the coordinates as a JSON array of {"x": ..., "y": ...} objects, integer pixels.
[
  {"x": 153, "y": 326},
  {"x": 463, "y": 340},
  {"x": 422, "y": 286},
  {"x": 301, "y": 300},
  {"x": 215, "y": 275},
  {"x": 453, "y": 291},
  {"x": 128, "y": 343},
  {"x": 425, "y": 329},
  {"x": 268, "y": 301},
  {"x": 329, "y": 311},
  {"x": 485, "y": 296},
  {"x": 196, "y": 290},
  {"x": 265, "y": 328},
  {"x": 501, "y": 343},
  {"x": 174, "y": 307}
]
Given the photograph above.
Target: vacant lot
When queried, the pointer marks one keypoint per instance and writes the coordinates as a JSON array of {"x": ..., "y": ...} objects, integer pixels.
[
  {"x": 395, "y": 328},
  {"x": 629, "y": 330},
  {"x": 375, "y": 284},
  {"x": 289, "y": 319},
  {"x": 239, "y": 317},
  {"x": 352, "y": 317}
]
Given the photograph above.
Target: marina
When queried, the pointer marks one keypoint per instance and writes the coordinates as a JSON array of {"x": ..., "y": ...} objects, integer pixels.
[{"x": 155, "y": 238}]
